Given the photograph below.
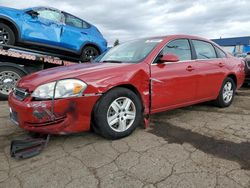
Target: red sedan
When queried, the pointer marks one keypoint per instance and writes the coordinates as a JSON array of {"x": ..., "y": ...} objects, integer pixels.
[{"x": 125, "y": 86}]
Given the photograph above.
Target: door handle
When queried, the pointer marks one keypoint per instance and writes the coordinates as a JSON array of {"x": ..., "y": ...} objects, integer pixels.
[
  {"x": 190, "y": 68},
  {"x": 53, "y": 23},
  {"x": 84, "y": 33},
  {"x": 221, "y": 64}
]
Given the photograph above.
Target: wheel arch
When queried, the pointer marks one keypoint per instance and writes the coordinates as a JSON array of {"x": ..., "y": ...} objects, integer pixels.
[
  {"x": 13, "y": 65},
  {"x": 92, "y": 45},
  {"x": 133, "y": 89},
  {"x": 233, "y": 76},
  {"x": 12, "y": 25},
  {"x": 127, "y": 86}
]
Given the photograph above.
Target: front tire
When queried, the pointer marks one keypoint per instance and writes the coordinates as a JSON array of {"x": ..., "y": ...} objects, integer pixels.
[
  {"x": 89, "y": 53},
  {"x": 226, "y": 94},
  {"x": 7, "y": 36},
  {"x": 117, "y": 114}
]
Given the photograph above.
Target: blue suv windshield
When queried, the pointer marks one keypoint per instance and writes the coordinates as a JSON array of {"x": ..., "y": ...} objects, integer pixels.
[{"x": 131, "y": 52}]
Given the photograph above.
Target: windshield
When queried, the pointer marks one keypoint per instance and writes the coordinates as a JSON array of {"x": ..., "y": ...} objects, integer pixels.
[{"x": 130, "y": 52}]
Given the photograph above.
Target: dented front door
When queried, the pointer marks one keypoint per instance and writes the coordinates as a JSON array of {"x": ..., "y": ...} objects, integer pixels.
[{"x": 173, "y": 84}]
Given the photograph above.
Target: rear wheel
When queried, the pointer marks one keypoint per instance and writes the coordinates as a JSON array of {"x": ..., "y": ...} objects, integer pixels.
[
  {"x": 8, "y": 79},
  {"x": 7, "y": 36},
  {"x": 227, "y": 93},
  {"x": 117, "y": 114},
  {"x": 88, "y": 53}
]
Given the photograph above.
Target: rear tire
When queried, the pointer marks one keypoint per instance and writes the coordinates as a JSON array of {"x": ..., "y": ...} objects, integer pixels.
[
  {"x": 8, "y": 79},
  {"x": 226, "y": 94},
  {"x": 117, "y": 114},
  {"x": 7, "y": 36},
  {"x": 89, "y": 53}
]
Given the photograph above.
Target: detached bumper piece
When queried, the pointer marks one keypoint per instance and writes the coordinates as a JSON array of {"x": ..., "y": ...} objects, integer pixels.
[{"x": 22, "y": 149}]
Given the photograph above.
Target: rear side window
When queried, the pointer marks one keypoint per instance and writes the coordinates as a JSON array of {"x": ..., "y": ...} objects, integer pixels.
[
  {"x": 204, "y": 50},
  {"x": 220, "y": 53},
  {"x": 179, "y": 47},
  {"x": 73, "y": 21},
  {"x": 85, "y": 25}
]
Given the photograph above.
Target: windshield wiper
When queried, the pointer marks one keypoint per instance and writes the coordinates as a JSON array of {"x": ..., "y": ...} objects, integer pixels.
[{"x": 112, "y": 61}]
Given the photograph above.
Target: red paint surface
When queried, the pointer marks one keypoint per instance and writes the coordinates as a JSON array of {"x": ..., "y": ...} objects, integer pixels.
[{"x": 176, "y": 84}]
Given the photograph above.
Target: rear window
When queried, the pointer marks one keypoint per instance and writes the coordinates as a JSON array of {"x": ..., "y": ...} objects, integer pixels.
[{"x": 204, "y": 50}]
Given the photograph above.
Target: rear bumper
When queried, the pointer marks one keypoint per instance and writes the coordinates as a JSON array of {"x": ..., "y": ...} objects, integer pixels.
[{"x": 68, "y": 115}]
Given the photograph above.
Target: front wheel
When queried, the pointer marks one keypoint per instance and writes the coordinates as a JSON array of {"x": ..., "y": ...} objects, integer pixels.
[
  {"x": 89, "y": 53},
  {"x": 117, "y": 114},
  {"x": 226, "y": 94},
  {"x": 7, "y": 36},
  {"x": 8, "y": 79}
]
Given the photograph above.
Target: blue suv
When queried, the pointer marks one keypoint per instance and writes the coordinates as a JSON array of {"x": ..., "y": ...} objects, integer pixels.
[{"x": 50, "y": 29}]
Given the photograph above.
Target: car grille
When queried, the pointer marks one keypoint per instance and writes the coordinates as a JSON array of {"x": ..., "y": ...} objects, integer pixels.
[{"x": 20, "y": 94}]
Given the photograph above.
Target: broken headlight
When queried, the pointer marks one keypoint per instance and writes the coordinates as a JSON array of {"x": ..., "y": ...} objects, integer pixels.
[{"x": 60, "y": 89}]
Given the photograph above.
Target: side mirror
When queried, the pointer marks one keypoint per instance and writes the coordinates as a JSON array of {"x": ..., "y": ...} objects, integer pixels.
[
  {"x": 169, "y": 58},
  {"x": 33, "y": 13}
]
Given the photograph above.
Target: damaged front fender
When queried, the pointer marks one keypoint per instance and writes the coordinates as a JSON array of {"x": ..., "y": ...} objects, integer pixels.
[{"x": 65, "y": 116}]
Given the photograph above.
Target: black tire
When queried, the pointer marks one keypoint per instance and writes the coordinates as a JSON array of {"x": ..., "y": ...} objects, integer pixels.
[
  {"x": 7, "y": 36},
  {"x": 89, "y": 53},
  {"x": 100, "y": 114},
  {"x": 220, "y": 101},
  {"x": 11, "y": 73}
]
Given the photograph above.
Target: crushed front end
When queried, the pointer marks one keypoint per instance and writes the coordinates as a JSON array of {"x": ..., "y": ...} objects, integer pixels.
[{"x": 57, "y": 116}]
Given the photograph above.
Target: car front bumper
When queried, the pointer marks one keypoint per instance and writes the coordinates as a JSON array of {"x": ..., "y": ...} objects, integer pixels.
[{"x": 63, "y": 116}]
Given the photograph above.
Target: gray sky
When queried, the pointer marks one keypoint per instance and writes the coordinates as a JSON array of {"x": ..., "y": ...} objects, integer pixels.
[{"x": 125, "y": 20}]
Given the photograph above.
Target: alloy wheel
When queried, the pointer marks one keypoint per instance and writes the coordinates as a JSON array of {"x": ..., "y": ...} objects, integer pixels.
[
  {"x": 89, "y": 53},
  {"x": 8, "y": 80},
  {"x": 4, "y": 36},
  {"x": 228, "y": 92},
  {"x": 121, "y": 114}
]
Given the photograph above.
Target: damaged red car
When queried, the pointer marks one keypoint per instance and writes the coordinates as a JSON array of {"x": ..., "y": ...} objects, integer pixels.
[{"x": 127, "y": 84}]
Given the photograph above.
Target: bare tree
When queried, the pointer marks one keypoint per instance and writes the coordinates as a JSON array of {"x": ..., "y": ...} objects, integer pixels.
[{"x": 116, "y": 43}]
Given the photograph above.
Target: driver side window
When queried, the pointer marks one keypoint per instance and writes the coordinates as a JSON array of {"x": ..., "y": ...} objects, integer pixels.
[
  {"x": 49, "y": 15},
  {"x": 179, "y": 47}
]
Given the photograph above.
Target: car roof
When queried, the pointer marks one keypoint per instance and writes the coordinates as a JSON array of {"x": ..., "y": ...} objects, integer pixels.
[
  {"x": 177, "y": 36},
  {"x": 46, "y": 7},
  {"x": 52, "y": 8}
]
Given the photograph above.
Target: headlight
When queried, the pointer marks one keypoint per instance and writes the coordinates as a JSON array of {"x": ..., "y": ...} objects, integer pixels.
[{"x": 62, "y": 88}]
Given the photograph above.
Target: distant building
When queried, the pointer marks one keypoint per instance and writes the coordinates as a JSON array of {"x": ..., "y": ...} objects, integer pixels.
[{"x": 236, "y": 45}]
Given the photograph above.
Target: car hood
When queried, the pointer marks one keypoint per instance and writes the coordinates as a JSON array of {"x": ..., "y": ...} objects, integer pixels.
[
  {"x": 8, "y": 9},
  {"x": 87, "y": 72},
  {"x": 11, "y": 13}
]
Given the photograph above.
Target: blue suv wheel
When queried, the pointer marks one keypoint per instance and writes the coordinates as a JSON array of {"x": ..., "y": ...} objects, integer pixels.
[
  {"x": 6, "y": 35},
  {"x": 88, "y": 53}
]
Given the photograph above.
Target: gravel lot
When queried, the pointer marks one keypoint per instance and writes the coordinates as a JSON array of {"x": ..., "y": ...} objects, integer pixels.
[{"x": 197, "y": 146}]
